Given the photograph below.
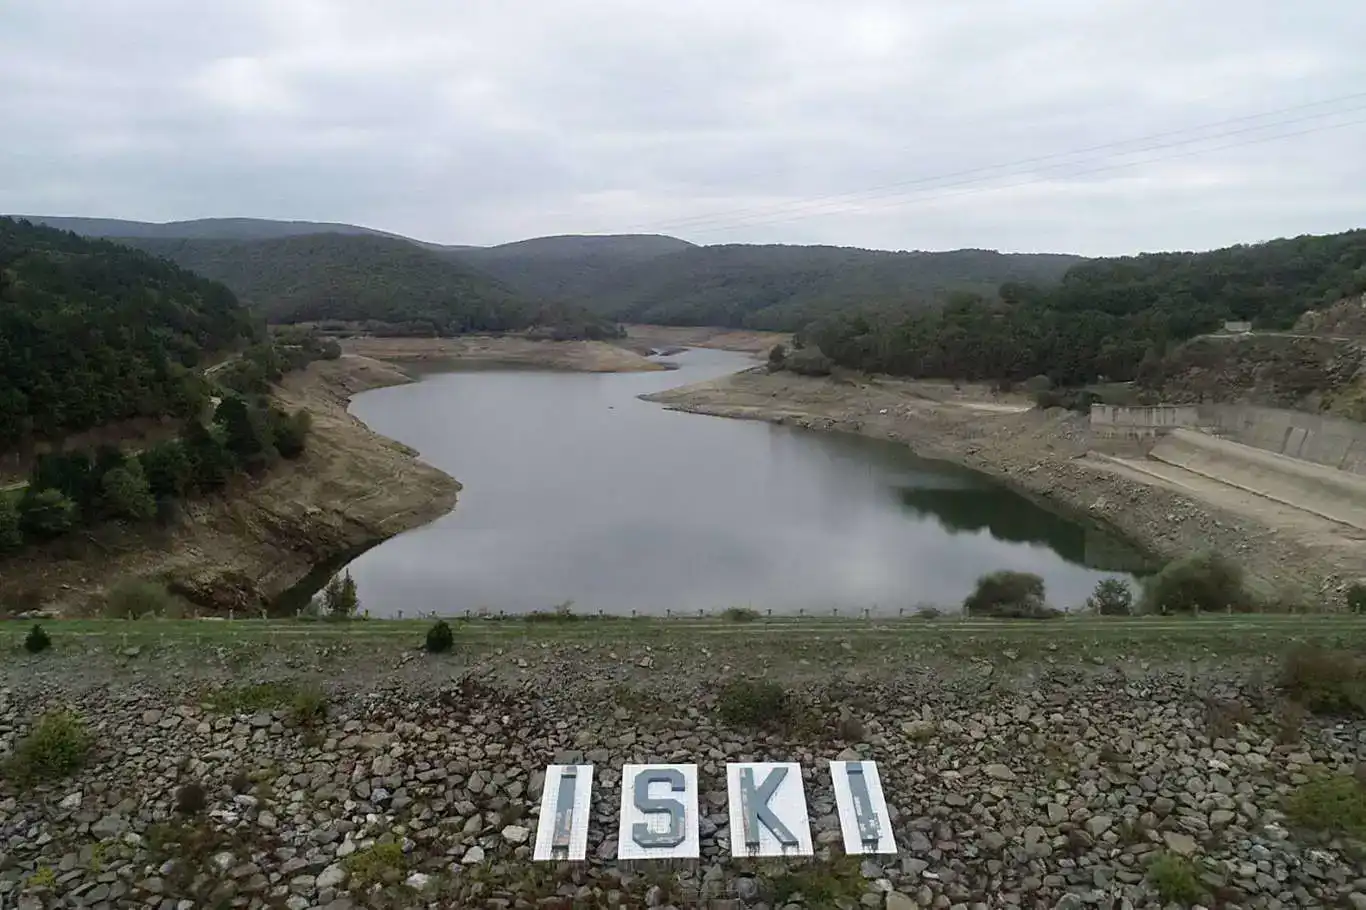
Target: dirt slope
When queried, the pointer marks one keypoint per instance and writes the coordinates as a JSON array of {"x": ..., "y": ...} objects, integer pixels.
[
  {"x": 351, "y": 489},
  {"x": 504, "y": 351}
]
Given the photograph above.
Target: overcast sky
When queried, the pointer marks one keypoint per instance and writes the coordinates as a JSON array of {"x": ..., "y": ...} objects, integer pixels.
[{"x": 904, "y": 124}]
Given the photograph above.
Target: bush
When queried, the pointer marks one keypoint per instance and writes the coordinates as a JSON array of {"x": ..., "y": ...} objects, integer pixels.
[
  {"x": 440, "y": 639},
  {"x": 340, "y": 598},
  {"x": 755, "y": 703},
  {"x": 777, "y": 356},
  {"x": 46, "y": 514},
  {"x": 808, "y": 362},
  {"x": 134, "y": 599},
  {"x": 1356, "y": 594},
  {"x": 11, "y": 536},
  {"x": 1326, "y": 681},
  {"x": 1112, "y": 597},
  {"x": 37, "y": 640},
  {"x": 191, "y": 799},
  {"x": 1204, "y": 583},
  {"x": 1006, "y": 594},
  {"x": 1176, "y": 880},
  {"x": 740, "y": 614},
  {"x": 125, "y": 493},
  {"x": 308, "y": 706},
  {"x": 1330, "y": 805},
  {"x": 56, "y": 746}
]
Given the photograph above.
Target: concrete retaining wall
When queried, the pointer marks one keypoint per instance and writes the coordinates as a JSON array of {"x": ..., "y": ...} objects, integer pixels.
[
  {"x": 1324, "y": 491},
  {"x": 1118, "y": 422},
  {"x": 1318, "y": 438}
]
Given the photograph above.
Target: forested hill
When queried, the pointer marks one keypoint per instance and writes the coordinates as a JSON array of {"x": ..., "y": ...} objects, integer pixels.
[
  {"x": 197, "y": 229},
  {"x": 1108, "y": 317},
  {"x": 762, "y": 287},
  {"x": 354, "y": 278},
  {"x": 92, "y": 331}
]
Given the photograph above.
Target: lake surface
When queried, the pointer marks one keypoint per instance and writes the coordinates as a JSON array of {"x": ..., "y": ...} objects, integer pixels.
[{"x": 575, "y": 490}]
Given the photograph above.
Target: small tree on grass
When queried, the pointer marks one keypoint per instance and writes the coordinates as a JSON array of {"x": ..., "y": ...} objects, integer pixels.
[
  {"x": 439, "y": 638},
  {"x": 1203, "y": 583},
  {"x": 1112, "y": 597},
  {"x": 340, "y": 598},
  {"x": 1007, "y": 595},
  {"x": 37, "y": 640}
]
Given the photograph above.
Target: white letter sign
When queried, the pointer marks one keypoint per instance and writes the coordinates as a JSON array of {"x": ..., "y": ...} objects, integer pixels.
[
  {"x": 768, "y": 810},
  {"x": 659, "y": 812},
  {"x": 864, "y": 819},
  {"x": 566, "y": 803}
]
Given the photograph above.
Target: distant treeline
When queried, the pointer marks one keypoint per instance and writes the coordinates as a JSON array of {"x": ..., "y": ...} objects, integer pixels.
[{"x": 1107, "y": 319}]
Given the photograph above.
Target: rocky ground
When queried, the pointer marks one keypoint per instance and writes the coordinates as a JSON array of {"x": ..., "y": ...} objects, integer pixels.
[
  {"x": 364, "y": 773},
  {"x": 1041, "y": 454}
]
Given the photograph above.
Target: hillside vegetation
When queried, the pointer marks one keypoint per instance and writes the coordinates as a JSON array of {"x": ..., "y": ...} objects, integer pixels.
[
  {"x": 93, "y": 332},
  {"x": 1107, "y": 319},
  {"x": 199, "y": 228},
  {"x": 780, "y": 288}
]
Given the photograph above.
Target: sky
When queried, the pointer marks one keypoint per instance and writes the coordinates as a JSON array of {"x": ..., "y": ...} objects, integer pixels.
[{"x": 1100, "y": 127}]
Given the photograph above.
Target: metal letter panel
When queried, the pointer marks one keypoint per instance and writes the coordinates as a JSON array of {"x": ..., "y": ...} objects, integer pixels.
[
  {"x": 864, "y": 819},
  {"x": 768, "y": 810},
  {"x": 566, "y": 806},
  {"x": 650, "y": 823}
]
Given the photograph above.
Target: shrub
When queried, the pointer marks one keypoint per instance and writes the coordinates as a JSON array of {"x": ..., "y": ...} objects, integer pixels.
[
  {"x": 1326, "y": 681},
  {"x": 340, "y": 598},
  {"x": 56, "y": 746},
  {"x": 808, "y": 362},
  {"x": 308, "y": 706},
  {"x": 37, "y": 640},
  {"x": 125, "y": 493},
  {"x": 380, "y": 863},
  {"x": 1006, "y": 594},
  {"x": 46, "y": 514},
  {"x": 440, "y": 639},
  {"x": 1112, "y": 597},
  {"x": 777, "y": 356},
  {"x": 561, "y": 613},
  {"x": 1200, "y": 583},
  {"x": 11, "y": 537},
  {"x": 1356, "y": 598},
  {"x": 191, "y": 799},
  {"x": 755, "y": 703},
  {"x": 740, "y": 614},
  {"x": 1175, "y": 879},
  {"x": 1330, "y": 805},
  {"x": 134, "y": 599}
]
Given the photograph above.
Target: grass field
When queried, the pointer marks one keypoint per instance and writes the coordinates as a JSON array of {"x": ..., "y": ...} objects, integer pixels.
[{"x": 1139, "y": 637}]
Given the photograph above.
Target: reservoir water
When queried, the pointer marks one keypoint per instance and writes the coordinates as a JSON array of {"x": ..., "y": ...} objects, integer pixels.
[{"x": 575, "y": 490}]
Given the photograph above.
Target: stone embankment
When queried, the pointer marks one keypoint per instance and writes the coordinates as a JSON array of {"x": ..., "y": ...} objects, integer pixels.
[{"x": 415, "y": 781}]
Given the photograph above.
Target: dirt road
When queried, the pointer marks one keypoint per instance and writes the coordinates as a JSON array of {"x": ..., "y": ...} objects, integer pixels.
[{"x": 1289, "y": 553}]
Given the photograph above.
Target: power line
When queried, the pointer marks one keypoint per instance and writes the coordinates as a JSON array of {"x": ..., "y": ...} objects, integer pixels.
[
  {"x": 893, "y": 202},
  {"x": 779, "y": 208}
]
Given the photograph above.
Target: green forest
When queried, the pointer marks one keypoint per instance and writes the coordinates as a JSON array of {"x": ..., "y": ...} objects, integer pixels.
[
  {"x": 93, "y": 332},
  {"x": 1106, "y": 319},
  {"x": 386, "y": 285},
  {"x": 780, "y": 288}
]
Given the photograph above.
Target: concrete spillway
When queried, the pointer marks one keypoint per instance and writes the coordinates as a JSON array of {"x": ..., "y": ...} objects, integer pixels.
[{"x": 1336, "y": 495}]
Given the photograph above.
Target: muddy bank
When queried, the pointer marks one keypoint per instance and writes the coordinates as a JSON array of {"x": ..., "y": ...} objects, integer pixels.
[
  {"x": 643, "y": 338},
  {"x": 1042, "y": 454},
  {"x": 351, "y": 489},
  {"x": 503, "y": 351}
]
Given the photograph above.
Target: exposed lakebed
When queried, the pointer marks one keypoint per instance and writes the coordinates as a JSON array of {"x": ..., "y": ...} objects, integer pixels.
[{"x": 576, "y": 490}]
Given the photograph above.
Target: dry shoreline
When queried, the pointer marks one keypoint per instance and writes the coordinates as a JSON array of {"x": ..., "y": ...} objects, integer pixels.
[
  {"x": 1042, "y": 455},
  {"x": 503, "y": 351}
]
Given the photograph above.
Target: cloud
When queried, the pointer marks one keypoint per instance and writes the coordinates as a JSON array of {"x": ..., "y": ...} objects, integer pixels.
[{"x": 718, "y": 120}]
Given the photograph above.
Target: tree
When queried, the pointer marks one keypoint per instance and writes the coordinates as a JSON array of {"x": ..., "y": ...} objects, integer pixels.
[
  {"x": 1112, "y": 597},
  {"x": 1007, "y": 594},
  {"x": 776, "y": 356},
  {"x": 245, "y": 433},
  {"x": 211, "y": 463},
  {"x": 126, "y": 493},
  {"x": 290, "y": 432},
  {"x": 11, "y": 537},
  {"x": 46, "y": 514},
  {"x": 168, "y": 469},
  {"x": 340, "y": 598}
]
